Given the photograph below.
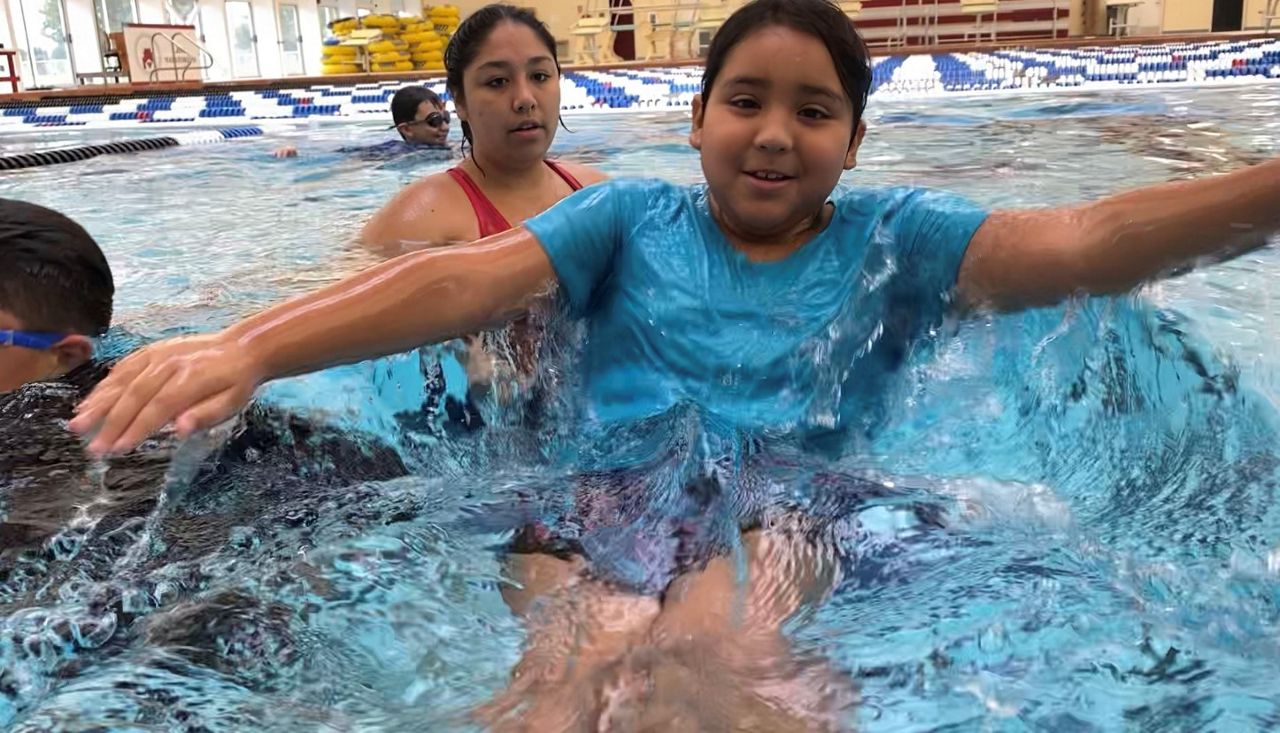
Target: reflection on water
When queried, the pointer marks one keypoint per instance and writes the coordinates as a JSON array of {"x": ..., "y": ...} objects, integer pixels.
[{"x": 1067, "y": 522}]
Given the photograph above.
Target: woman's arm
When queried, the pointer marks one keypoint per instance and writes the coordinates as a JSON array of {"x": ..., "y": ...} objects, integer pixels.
[
  {"x": 419, "y": 298},
  {"x": 1020, "y": 259}
]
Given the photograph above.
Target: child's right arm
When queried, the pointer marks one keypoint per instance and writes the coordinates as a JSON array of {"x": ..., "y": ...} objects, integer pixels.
[{"x": 420, "y": 298}]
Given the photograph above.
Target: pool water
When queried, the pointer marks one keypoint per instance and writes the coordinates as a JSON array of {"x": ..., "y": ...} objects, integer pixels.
[{"x": 1107, "y": 553}]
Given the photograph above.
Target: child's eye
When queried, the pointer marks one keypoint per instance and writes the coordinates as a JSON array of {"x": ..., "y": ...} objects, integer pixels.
[
  {"x": 541, "y": 76},
  {"x": 496, "y": 83},
  {"x": 814, "y": 114},
  {"x": 744, "y": 103}
]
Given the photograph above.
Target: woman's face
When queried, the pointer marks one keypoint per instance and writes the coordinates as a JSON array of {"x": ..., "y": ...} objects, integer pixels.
[{"x": 511, "y": 96}]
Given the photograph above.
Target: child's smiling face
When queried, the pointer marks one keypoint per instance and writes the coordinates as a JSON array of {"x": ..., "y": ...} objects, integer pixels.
[{"x": 775, "y": 133}]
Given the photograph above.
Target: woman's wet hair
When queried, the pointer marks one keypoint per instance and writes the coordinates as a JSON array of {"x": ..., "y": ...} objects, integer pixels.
[
  {"x": 471, "y": 35},
  {"x": 821, "y": 19}
]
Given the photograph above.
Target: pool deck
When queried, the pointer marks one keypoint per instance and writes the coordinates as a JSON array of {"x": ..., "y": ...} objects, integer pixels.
[{"x": 135, "y": 89}]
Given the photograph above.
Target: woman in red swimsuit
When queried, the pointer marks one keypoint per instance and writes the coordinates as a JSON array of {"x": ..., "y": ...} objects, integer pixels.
[{"x": 505, "y": 83}]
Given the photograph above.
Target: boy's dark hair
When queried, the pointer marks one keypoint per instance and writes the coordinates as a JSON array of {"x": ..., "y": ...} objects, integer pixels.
[
  {"x": 466, "y": 41},
  {"x": 821, "y": 19},
  {"x": 53, "y": 276},
  {"x": 405, "y": 103}
]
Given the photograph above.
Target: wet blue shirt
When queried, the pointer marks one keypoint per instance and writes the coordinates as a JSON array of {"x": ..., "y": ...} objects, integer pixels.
[{"x": 676, "y": 314}]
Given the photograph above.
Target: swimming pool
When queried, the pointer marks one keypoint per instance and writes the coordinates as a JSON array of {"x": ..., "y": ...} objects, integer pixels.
[{"x": 1107, "y": 470}]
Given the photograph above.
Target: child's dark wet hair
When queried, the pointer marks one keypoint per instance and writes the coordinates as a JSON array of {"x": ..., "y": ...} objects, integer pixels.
[
  {"x": 473, "y": 32},
  {"x": 821, "y": 19},
  {"x": 53, "y": 276}
]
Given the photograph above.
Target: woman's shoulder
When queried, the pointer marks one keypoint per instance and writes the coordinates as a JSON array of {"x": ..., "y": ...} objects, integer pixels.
[
  {"x": 430, "y": 211},
  {"x": 584, "y": 174},
  {"x": 438, "y": 184}
]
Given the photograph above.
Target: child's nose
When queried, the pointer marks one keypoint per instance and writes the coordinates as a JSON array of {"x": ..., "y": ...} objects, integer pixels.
[{"x": 774, "y": 134}]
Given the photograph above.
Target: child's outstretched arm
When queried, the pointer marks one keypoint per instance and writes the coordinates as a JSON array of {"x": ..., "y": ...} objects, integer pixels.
[
  {"x": 416, "y": 299},
  {"x": 1020, "y": 259}
]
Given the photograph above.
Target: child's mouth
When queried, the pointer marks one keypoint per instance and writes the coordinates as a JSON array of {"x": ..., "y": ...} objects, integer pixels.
[{"x": 769, "y": 178}]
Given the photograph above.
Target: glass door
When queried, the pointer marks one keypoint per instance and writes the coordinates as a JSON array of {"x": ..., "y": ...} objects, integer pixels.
[
  {"x": 290, "y": 41},
  {"x": 244, "y": 39},
  {"x": 46, "y": 58}
]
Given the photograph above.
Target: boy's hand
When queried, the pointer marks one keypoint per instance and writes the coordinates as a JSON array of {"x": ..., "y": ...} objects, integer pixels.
[{"x": 195, "y": 383}]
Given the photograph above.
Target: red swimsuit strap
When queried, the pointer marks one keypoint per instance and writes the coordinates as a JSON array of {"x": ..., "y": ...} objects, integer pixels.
[
  {"x": 565, "y": 174},
  {"x": 490, "y": 220}
]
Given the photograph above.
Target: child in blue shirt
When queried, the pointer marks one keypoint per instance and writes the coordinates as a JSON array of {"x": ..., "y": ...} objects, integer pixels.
[
  {"x": 679, "y": 303},
  {"x": 759, "y": 297}
]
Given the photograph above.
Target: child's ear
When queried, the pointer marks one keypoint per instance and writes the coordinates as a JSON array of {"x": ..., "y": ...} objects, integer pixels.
[
  {"x": 695, "y": 133},
  {"x": 72, "y": 352},
  {"x": 851, "y": 157}
]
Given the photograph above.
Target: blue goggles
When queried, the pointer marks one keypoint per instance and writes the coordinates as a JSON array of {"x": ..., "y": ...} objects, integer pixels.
[{"x": 30, "y": 339}]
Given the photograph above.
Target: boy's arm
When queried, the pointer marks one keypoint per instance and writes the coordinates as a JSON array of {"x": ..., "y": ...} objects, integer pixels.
[
  {"x": 1020, "y": 259},
  {"x": 419, "y": 298}
]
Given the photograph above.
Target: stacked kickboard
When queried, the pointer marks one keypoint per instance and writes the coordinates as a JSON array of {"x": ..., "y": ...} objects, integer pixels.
[
  {"x": 337, "y": 57},
  {"x": 389, "y": 52},
  {"x": 445, "y": 18},
  {"x": 426, "y": 46},
  {"x": 382, "y": 43}
]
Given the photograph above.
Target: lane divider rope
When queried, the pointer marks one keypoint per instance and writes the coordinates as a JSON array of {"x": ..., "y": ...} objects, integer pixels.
[{"x": 84, "y": 152}]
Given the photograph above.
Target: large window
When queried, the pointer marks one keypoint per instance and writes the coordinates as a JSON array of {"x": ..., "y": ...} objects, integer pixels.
[
  {"x": 244, "y": 39},
  {"x": 46, "y": 53},
  {"x": 212, "y": 34},
  {"x": 183, "y": 12},
  {"x": 113, "y": 14},
  {"x": 290, "y": 40},
  {"x": 328, "y": 14}
]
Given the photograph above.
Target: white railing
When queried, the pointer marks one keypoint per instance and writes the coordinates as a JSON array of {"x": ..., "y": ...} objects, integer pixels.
[{"x": 183, "y": 53}]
